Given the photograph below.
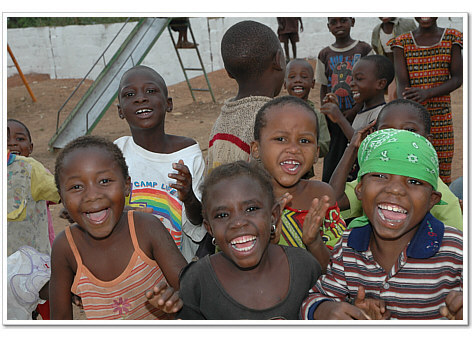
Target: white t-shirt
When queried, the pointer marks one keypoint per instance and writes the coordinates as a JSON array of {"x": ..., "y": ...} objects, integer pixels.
[{"x": 150, "y": 187}]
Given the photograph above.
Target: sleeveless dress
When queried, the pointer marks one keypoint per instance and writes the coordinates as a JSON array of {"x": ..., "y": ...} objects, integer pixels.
[
  {"x": 123, "y": 297},
  {"x": 428, "y": 67},
  {"x": 292, "y": 227}
]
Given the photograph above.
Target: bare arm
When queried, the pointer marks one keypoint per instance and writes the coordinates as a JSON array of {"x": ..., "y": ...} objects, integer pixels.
[
  {"x": 401, "y": 72},
  {"x": 62, "y": 277},
  {"x": 339, "y": 177}
]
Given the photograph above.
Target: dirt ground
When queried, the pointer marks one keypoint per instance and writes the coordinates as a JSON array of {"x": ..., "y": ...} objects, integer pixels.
[{"x": 188, "y": 118}]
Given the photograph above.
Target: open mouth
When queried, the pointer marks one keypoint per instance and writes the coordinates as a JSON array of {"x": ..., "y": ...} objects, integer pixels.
[
  {"x": 98, "y": 216},
  {"x": 144, "y": 112},
  {"x": 15, "y": 152},
  {"x": 298, "y": 90},
  {"x": 290, "y": 166},
  {"x": 355, "y": 94},
  {"x": 392, "y": 213},
  {"x": 244, "y": 243}
]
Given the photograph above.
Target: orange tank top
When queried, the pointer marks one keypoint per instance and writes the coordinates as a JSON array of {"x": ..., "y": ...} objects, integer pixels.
[{"x": 123, "y": 297}]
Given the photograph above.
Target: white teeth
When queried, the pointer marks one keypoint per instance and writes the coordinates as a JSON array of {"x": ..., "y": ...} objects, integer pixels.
[
  {"x": 244, "y": 240},
  {"x": 293, "y": 163},
  {"x": 298, "y": 89},
  {"x": 143, "y": 111},
  {"x": 393, "y": 208}
]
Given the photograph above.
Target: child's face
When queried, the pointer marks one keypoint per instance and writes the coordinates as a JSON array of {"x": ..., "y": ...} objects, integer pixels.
[
  {"x": 142, "y": 100},
  {"x": 395, "y": 204},
  {"x": 402, "y": 117},
  {"x": 364, "y": 84},
  {"x": 340, "y": 27},
  {"x": 299, "y": 80},
  {"x": 386, "y": 19},
  {"x": 18, "y": 140},
  {"x": 239, "y": 216},
  {"x": 287, "y": 145},
  {"x": 93, "y": 190}
]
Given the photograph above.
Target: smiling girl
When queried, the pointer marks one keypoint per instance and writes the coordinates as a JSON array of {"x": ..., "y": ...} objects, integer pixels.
[{"x": 109, "y": 257}]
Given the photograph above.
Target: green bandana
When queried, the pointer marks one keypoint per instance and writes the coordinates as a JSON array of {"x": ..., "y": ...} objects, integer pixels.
[{"x": 398, "y": 152}]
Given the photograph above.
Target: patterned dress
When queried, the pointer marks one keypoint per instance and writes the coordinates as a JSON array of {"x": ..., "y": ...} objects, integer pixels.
[{"x": 428, "y": 67}]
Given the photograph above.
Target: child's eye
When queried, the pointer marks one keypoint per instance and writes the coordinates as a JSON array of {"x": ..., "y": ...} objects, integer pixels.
[
  {"x": 414, "y": 182},
  {"x": 379, "y": 175},
  {"x": 75, "y": 187},
  {"x": 279, "y": 138},
  {"x": 305, "y": 141},
  {"x": 252, "y": 208},
  {"x": 150, "y": 90},
  {"x": 20, "y": 139},
  {"x": 105, "y": 181},
  {"x": 129, "y": 94},
  {"x": 221, "y": 215},
  {"x": 411, "y": 129}
]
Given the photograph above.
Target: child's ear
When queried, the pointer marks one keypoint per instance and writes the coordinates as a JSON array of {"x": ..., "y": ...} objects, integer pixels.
[
  {"x": 128, "y": 186},
  {"x": 317, "y": 155},
  {"x": 382, "y": 84},
  {"x": 279, "y": 60},
  {"x": 435, "y": 198},
  {"x": 120, "y": 113},
  {"x": 358, "y": 190},
  {"x": 255, "y": 150},
  {"x": 353, "y": 22},
  {"x": 313, "y": 83},
  {"x": 170, "y": 104},
  {"x": 31, "y": 148},
  {"x": 207, "y": 227}
]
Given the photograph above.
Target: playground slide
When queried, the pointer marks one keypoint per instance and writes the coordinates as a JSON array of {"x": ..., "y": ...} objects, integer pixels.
[{"x": 93, "y": 105}]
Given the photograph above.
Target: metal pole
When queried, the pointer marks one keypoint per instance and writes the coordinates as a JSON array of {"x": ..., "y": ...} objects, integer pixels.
[{"x": 21, "y": 73}]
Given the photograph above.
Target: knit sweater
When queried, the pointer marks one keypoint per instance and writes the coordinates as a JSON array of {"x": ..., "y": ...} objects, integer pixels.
[{"x": 233, "y": 131}]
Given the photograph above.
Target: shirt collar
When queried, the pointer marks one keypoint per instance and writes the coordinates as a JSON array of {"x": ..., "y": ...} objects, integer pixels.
[{"x": 425, "y": 242}]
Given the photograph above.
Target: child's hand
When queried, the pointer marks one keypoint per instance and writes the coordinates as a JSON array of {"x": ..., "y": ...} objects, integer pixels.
[
  {"x": 184, "y": 181},
  {"x": 314, "y": 219},
  {"x": 331, "y": 110},
  {"x": 138, "y": 209},
  {"x": 453, "y": 309},
  {"x": 165, "y": 298},
  {"x": 374, "y": 308},
  {"x": 333, "y": 310},
  {"x": 415, "y": 94},
  {"x": 332, "y": 98},
  {"x": 361, "y": 133},
  {"x": 77, "y": 301},
  {"x": 282, "y": 202}
]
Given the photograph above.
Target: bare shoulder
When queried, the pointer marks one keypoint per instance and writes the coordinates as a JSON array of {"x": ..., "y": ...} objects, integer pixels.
[{"x": 319, "y": 188}]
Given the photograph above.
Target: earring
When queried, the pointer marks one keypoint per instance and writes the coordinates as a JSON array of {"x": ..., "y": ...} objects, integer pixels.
[
  {"x": 213, "y": 241},
  {"x": 273, "y": 228}
]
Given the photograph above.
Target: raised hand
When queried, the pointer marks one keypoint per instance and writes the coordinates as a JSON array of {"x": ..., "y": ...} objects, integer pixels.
[{"x": 165, "y": 298}]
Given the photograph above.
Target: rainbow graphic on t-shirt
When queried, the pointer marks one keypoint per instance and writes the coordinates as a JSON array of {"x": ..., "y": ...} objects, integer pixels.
[{"x": 165, "y": 206}]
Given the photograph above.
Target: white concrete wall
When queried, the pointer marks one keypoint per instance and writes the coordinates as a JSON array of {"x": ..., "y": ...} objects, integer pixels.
[{"x": 69, "y": 52}]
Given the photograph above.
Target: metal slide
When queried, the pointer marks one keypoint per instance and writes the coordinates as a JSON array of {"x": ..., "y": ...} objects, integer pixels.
[{"x": 98, "y": 98}]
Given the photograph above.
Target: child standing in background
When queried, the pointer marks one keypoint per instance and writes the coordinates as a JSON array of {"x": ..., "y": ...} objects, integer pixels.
[
  {"x": 252, "y": 56},
  {"x": 388, "y": 29},
  {"x": 285, "y": 141},
  {"x": 428, "y": 67},
  {"x": 287, "y": 30},
  {"x": 110, "y": 257},
  {"x": 299, "y": 80},
  {"x": 334, "y": 73},
  {"x": 155, "y": 159}
]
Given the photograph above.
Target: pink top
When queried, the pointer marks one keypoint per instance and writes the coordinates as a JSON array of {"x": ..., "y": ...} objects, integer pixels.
[{"x": 123, "y": 297}]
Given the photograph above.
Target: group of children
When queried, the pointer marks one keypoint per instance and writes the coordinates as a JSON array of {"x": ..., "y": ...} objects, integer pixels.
[{"x": 144, "y": 205}]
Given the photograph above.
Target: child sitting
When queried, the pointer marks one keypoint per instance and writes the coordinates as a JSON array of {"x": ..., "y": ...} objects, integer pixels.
[
  {"x": 110, "y": 257},
  {"x": 286, "y": 143},
  {"x": 299, "y": 80},
  {"x": 398, "y": 114},
  {"x": 153, "y": 157},
  {"x": 252, "y": 55},
  {"x": 333, "y": 73},
  {"x": 240, "y": 212},
  {"x": 398, "y": 261}
]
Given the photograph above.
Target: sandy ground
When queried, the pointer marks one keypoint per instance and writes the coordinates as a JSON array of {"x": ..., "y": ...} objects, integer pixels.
[{"x": 189, "y": 118}]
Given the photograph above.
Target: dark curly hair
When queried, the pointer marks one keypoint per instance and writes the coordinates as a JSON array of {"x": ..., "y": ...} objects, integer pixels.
[
  {"x": 422, "y": 112},
  {"x": 235, "y": 169},
  {"x": 261, "y": 121},
  {"x": 384, "y": 68},
  {"x": 22, "y": 124},
  {"x": 248, "y": 48},
  {"x": 90, "y": 141}
]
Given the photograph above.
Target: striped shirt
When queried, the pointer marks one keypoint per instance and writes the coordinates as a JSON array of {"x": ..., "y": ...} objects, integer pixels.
[
  {"x": 123, "y": 297},
  {"x": 415, "y": 288}
]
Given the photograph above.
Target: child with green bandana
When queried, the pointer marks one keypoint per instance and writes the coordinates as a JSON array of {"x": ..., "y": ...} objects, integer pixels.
[{"x": 397, "y": 261}]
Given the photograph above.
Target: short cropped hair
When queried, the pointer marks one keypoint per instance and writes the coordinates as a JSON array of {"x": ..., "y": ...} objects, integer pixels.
[
  {"x": 90, "y": 141},
  {"x": 383, "y": 66},
  {"x": 417, "y": 107},
  {"x": 235, "y": 169},
  {"x": 261, "y": 121},
  {"x": 304, "y": 62},
  {"x": 22, "y": 124},
  {"x": 248, "y": 48},
  {"x": 145, "y": 69}
]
